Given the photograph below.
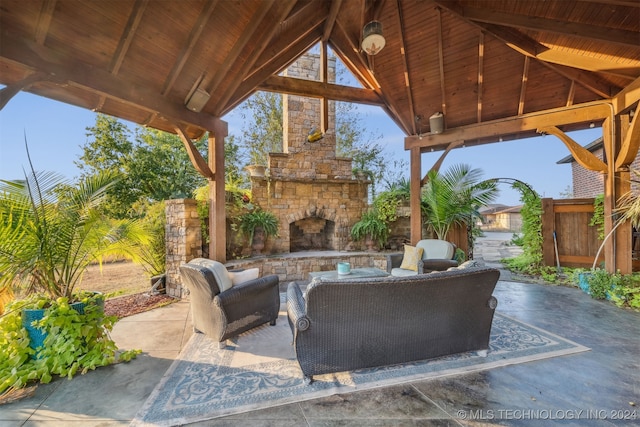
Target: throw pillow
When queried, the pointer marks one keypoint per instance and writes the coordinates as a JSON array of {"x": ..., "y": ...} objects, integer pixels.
[
  {"x": 221, "y": 274},
  {"x": 411, "y": 257},
  {"x": 241, "y": 276}
]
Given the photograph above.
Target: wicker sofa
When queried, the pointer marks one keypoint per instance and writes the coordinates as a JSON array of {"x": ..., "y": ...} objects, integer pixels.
[{"x": 347, "y": 324}]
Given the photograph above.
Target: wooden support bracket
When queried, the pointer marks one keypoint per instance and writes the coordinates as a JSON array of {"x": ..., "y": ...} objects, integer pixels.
[
  {"x": 583, "y": 156},
  {"x": 196, "y": 158}
]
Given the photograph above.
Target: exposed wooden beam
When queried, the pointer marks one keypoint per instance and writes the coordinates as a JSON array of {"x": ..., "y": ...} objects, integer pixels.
[
  {"x": 584, "y": 157},
  {"x": 441, "y": 62},
  {"x": 572, "y": 93},
  {"x": 314, "y": 89},
  {"x": 589, "y": 32},
  {"x": 278, "y": 55},
  {"x": 480, "y": 75},
  {"x": 284, "y": 8},
  {"x": 579, "y": 113},
  {"x": 324, "y": 78},
  {"x": 231, "y": 61},
  {"x": 405, "y": 64},
  {"x": 67, "y": 70},
  {"x": 350, "y": 55},
  {"x": 249, "y": 85},
  {"x": 529, "y": 47},
  {"x": 187, "y": 49},
  {"x": 331, "y": 19},
  {"x": 627, "y": 3},
  {"x": 523, "y": 86},
  {"x": 44, "y": 20},
  {"x": 127, "y": 35},
  {"x": 196, "y": 158}
]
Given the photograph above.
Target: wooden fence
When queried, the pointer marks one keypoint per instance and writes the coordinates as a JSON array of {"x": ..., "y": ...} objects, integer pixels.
[{"x": 576, "y": 240}]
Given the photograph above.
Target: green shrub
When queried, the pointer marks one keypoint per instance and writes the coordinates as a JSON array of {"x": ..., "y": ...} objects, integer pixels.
[{"x": 75, "y": 343}]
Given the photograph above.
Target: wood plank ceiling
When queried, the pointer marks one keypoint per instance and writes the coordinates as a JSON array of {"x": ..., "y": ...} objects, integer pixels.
[{"x": 473, "y": 60}]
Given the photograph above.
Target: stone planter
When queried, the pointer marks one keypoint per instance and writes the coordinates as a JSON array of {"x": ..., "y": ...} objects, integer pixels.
[{"x": 257, "y": 171}]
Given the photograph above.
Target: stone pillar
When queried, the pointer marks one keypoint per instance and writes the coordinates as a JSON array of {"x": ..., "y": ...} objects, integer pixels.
[{"x": 183, "y": 237}]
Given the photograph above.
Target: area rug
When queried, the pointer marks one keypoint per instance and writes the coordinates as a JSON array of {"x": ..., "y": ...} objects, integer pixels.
[{"x": 258, "y": 370}]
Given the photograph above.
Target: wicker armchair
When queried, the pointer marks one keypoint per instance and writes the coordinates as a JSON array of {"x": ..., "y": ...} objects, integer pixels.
[
  {"x": 437, "y": 255},
  {"x": 222, "y": 314}
]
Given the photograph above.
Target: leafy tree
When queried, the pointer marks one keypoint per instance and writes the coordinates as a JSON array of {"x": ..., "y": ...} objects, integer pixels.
[
  {"x": 363, "y": 145},
  {"x": 262, "y": 114},
  {"x": 455, "y": 197},
  {"x": 153, "y": 164}
]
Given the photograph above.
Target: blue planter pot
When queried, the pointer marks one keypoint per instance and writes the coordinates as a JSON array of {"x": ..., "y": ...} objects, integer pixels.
[
  {"x": 37, "y": 335},
  {"x": 583, "y": 282}
]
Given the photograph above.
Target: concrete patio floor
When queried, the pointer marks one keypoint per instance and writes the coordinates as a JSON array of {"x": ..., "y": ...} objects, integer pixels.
[{"x": 601, "y": 386}]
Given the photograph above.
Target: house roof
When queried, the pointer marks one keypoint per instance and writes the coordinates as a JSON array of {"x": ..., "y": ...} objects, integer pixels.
[
  {"x": 473, "y": 60},
  {"x": 592, "y": 146}
]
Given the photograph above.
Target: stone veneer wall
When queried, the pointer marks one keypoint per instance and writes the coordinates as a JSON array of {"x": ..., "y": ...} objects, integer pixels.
[
  {"x": 308, "y": 180},
  {"x": 183, "y": 239}
]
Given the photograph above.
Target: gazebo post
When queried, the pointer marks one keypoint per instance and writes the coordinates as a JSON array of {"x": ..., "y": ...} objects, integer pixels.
[
  {"x": 217, "y": 215},
  {"x": 415, "y": 186}
]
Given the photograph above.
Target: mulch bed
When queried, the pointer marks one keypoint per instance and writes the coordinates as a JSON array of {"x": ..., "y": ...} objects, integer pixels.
[{"x": 129, "y": 305}]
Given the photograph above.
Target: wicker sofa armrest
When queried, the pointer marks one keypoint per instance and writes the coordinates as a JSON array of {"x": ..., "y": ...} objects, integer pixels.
[
  {"x": 434, "y": 264},
  {"x": 296, "y": 310},
  {"x": 394, "y": 261}
]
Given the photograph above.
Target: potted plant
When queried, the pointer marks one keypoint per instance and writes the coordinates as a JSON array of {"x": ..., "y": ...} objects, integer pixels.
[
  {"x": 258, "y": 224},
  {"x": 50, "y": 232},
  {"x": 372, "y": 229}
]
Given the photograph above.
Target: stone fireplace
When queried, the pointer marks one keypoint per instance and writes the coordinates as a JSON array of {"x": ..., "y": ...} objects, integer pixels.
[{"x": 309, "y": 188}]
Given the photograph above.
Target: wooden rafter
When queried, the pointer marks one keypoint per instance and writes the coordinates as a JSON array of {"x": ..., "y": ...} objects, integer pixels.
[
  {"x": 523, "y": 86},
  {"x": 67, "y": 70},
  {"x": 187, "y": 49},
  {"x": 44, "y": 20},
  {"x": 127, "y": 35},
  {"x": 529, "y": 47},
  {"x": 231, "y": 61},
  {"x": 348, "y": 52},
  {"x": 244, "y": 69},
  {"x": 276, "y": 57},
  {"x": 405, "y": 65},
  {"x": 480, "y": 74},
  {"x": 590, "y": 32},
  {"x": 249, "y": 85},
  {"x": 572, "y": 93},
  {"x": 441, "y": 62},
  {"x": 331, "y": 19}
]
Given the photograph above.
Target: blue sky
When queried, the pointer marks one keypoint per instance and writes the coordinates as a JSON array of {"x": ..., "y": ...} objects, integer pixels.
[{"x": 56, "y": 131}]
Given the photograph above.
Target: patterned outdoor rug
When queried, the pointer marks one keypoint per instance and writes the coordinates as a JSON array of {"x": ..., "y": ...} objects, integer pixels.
[{"x": 258, "y": 370}]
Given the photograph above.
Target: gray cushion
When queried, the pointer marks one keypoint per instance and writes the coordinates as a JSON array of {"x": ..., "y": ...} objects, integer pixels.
[
  {"x": 219, "y": 272},
  {"x": 401, "y": 272}
]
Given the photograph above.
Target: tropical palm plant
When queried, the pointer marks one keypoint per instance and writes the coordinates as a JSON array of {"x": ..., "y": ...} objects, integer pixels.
[
  {"x": 455, "y": 197},
  {"x": 50, "y": 232}
]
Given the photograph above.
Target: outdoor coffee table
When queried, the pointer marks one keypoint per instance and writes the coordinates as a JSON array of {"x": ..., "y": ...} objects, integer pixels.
[{"x": 356, "y": 273}]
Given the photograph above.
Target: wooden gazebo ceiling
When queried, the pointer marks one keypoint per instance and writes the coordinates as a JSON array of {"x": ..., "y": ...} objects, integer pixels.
[{"x": 473, "y": 60}]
